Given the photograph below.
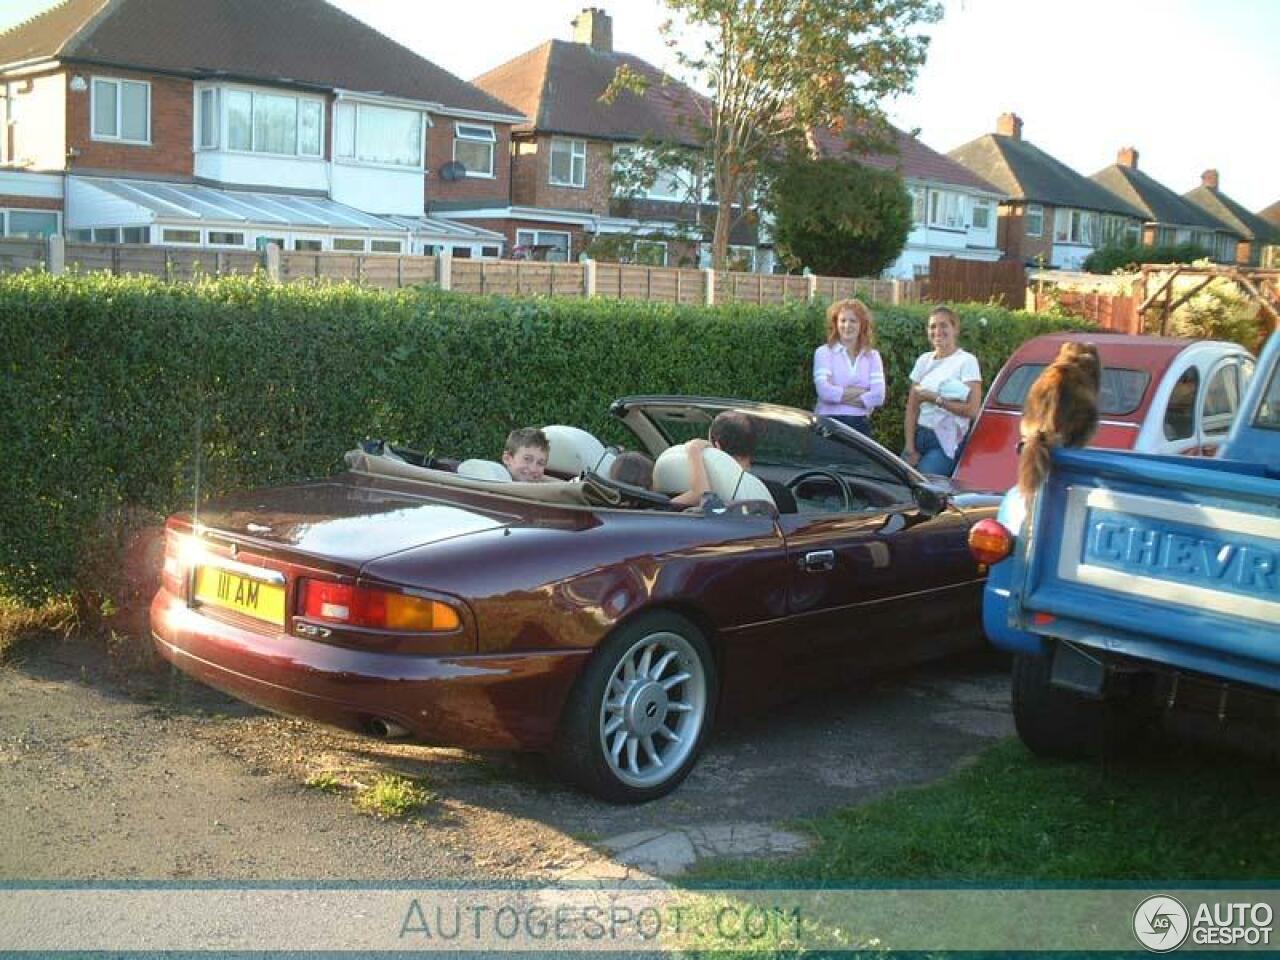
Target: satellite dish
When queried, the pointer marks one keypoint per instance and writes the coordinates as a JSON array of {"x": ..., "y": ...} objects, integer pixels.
[{"x": 453, "y": 170}]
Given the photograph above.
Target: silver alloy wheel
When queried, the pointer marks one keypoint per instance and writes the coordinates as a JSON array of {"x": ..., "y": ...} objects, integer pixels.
[{"x": 653, "y": 709}]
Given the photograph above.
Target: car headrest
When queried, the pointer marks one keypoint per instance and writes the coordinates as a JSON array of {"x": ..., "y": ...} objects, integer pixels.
[
  {"x": 484, "y": 470},
  {"x": 671, "y": 475},
  {"x": 573, "y": 450}
]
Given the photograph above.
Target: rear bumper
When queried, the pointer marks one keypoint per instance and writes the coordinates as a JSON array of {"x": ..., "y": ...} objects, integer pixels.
[{"x": 508, "y": 701}]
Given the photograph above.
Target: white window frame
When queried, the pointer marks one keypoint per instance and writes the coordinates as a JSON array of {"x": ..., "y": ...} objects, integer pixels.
[
  {"x": 1039, "y": 215},
  {"x": 919, "y": 206},
  {"x": 399, "y": 244},
  {"x": 574, "y": 156},
  {"x": 216, "y": 96},
  {"x": 209, "y": 241},
  {"x": 477, "y": 133},
  {"x": 735, "y": 250},
  {"x": 165, "y": 241},
  {"x": 357, "y": 106},
  {"x": 223, "y": 120},
  {"x": 364, "y": 246},
  {"x": 985, "y": 206},
  {"x": 568, "y": 239},
  {"x": 946, "y": 210},
  {"x": 1076, "y": 227},
  {"x": 650, "y": 243},
  {"x": 6, "y": 211},
  {"x": 119, "y": 84}
]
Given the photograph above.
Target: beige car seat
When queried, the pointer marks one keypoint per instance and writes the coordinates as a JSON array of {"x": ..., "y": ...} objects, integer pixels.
[
  {"x": 484, "y": 470},
  {"x": 671, "y": 475},
  {"x": 573, "y": 451}
]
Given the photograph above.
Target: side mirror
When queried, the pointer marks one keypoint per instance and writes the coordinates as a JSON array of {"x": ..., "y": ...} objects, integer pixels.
[{"x": 930, "y": 498}]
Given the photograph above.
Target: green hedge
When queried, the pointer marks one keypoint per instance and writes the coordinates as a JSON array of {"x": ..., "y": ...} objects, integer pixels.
[{"x": 120, "y": 393}]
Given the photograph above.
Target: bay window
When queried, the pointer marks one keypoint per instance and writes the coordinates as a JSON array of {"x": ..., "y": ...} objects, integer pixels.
[
  {"x": 259, "y": 122},
  {"x": 946, "y": 210},
  {"x": 1074, "y": 226},
  {"x": 367, "y": 133}
]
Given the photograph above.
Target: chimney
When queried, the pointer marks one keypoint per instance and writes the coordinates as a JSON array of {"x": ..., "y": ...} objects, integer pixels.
[
  {"x": 1009, "y": 125},
  {"x": 1209, "y": 179},
  {"x": 594, "y": 27},
  {"x": 1128, "y": 157}
]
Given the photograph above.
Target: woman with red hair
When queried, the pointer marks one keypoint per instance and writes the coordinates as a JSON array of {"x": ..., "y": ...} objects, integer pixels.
[{"x": 847, "y": 370}]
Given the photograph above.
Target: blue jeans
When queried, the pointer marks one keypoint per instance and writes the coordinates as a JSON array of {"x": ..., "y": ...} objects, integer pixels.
[
  {"x": 861, "y": 424},
  {"x": 932, "y": 459}
]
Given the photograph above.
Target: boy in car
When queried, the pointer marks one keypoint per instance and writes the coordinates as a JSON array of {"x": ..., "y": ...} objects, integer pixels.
[{"x": 525, "y": 455}]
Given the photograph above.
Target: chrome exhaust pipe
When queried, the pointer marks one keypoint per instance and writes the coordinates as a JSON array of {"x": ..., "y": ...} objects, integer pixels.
[{"x": 385, "y": 729}]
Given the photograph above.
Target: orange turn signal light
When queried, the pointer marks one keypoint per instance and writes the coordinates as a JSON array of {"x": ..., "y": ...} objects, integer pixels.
[{"x": 990, "y": 541}]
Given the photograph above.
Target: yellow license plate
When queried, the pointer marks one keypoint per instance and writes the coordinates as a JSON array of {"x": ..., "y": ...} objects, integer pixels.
[{"x": 231, "y": 591}]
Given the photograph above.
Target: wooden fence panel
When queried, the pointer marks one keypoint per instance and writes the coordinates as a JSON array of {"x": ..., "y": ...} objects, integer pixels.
[
  {"x": 976, "y": 281},
  {"x": 507, "y": 277},
  {"x": 568, "y": 280},
  {"x": 532, "y": 278},
  {"x": 1111, "y": 312},
  {"x": 380, "y": 271},
  {"x": 18, "y": 255},
  {"x": 91, "y": 257},
  {"x": 609, "y": 280}
]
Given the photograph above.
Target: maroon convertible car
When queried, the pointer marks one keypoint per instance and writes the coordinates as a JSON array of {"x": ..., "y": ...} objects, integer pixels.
[{"x": 440, "y": 601}]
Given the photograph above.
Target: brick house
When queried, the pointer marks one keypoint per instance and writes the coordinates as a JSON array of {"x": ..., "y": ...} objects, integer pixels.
[
  {"x": 236, "y": 123},
  {"x": 1169, "y": 218},
  {"x": 1053, "y": 215},
  {"x": 1255, "y": 232},
  {"x": 953, "y": 209},
  {"x": 566, "y": 160}
]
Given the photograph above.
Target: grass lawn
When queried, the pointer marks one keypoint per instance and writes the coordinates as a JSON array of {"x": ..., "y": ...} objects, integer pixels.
[{"x": 1170, "y": 816}]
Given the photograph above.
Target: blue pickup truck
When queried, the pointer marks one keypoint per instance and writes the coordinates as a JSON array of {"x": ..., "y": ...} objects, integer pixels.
[{"x": 1143, "y": 588}]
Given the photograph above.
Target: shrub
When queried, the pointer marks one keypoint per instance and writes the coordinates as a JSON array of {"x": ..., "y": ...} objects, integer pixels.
[
  {"x": 1109, "y": 259},
  {"x": 127, "y": 394}
]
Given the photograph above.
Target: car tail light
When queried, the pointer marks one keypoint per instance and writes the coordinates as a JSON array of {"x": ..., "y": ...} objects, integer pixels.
[
  {"x": 990, "y": 541},
  {"x": 181, "y": 553},
  {"x": 380, "y": 609}
]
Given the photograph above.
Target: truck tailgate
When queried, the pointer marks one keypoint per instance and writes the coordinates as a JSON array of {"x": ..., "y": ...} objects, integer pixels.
[{"x": 1170, "y": 559}]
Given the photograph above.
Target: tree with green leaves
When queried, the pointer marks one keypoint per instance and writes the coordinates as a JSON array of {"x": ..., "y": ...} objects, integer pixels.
[
  {"x": 838, "y": 217},
  {"x": 776, "y": 70}
]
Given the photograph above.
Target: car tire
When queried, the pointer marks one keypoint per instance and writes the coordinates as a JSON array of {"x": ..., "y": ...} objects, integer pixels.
[
  {"x": 639, "y": 714},
  {"x": 1053, "y": 722}
]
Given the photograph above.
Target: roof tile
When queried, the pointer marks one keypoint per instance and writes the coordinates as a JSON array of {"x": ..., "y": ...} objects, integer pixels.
[{"x": 307, "y": 42}]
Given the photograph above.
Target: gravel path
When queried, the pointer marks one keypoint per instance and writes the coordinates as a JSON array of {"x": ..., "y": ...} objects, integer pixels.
[{"x": 160, "y": 778}]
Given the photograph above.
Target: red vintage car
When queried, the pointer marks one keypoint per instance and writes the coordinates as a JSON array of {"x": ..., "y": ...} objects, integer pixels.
[
  {"x": 1159, "y": 395},
  {"x": 440, "y": 601}
]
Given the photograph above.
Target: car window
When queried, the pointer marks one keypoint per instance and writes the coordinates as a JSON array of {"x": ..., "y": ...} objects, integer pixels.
[
  {"x": 1180, "y": 417},
  {"x": 1120, "y": 392},
  {"x": 1268, "y": 415},
  {"x": 1221, "y": 399}
]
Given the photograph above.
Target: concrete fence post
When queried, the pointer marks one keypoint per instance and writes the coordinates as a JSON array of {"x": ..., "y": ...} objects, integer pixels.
[
  {"x": 589, "y": 277},
  {"x": 271, "y": 261},
  {"x": 56, "y": 254},
  {"x": 444, "y": 270},
  {"x": 709, "y": 279},
  {"x": 811, "y": 286}
]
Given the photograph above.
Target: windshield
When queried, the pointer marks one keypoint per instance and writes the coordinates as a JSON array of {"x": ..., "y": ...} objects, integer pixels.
[{"x": 1121, "y": 390}]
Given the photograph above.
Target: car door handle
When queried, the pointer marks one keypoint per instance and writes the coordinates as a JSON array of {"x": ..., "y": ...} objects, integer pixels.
[{"x": 818, "y": 560}]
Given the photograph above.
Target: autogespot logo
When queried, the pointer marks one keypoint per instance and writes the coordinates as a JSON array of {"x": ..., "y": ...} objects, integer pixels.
[{"x": 1160, "y": 923}]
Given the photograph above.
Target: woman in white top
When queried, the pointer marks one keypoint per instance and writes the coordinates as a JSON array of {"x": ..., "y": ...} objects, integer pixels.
[
  {"x": 847, "y": 370},
  {"x": 946, "y": 394}
]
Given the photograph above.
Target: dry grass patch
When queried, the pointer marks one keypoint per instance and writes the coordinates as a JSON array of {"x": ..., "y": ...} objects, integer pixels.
[{"x": 22, "y": 624}]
